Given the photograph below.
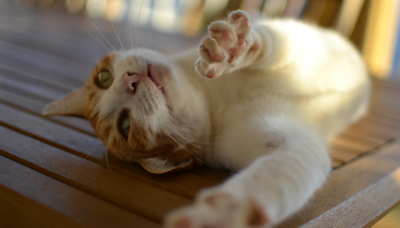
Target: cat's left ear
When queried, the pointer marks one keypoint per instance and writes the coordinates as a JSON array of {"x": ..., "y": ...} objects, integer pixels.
[
  {"x": 162, "y": 166},
  {"x": 72, "y": 104}
]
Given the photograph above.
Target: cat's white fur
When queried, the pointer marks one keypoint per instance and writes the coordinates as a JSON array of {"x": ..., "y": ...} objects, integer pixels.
[
  {"x": 269, "y": 114},
  {"x": 274, "y": 115}
]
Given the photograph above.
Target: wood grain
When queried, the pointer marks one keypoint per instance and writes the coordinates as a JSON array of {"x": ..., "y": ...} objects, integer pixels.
[
  {"x": 32, "y": 199},
  {"x": 364, "y": 188},
  {"x": 53, "y": 170},
  {"x": 115, "y": 188},
  {"x": 92, "y": 149}
]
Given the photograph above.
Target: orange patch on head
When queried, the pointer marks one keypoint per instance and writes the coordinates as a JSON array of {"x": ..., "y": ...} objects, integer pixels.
[{"x": 142, "y": 142}]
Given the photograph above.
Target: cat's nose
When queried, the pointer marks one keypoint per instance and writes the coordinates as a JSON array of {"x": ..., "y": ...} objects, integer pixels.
[{"x": 131, "y": 80}]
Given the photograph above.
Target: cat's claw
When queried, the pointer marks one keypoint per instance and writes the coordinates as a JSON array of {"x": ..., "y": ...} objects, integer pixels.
[
  {"x": 218, "y": 209},
  {"x": 224, "y": 44}
]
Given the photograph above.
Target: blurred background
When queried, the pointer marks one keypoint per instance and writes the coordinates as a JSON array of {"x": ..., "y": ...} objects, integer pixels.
[{"x": 372, "y": 25}]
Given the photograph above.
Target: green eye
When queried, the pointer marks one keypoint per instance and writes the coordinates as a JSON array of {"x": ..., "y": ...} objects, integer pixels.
[
  {"x": 105, "y": 79},
  {"x": 124, "y": 126}
]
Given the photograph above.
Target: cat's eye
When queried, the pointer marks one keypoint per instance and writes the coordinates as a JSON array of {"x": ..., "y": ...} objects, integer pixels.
[
  {"x": 105, "y": 79},
  {"x": 124, "y": 126}
]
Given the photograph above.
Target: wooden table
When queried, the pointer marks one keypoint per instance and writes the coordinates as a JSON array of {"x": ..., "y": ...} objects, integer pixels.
[{"x": 53, "y": 171}]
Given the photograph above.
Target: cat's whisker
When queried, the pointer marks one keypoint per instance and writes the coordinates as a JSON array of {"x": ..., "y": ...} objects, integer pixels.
[
  {"x": 177, "y": 123},
  {"x": 152, "y": 41},
  {"x": 112, "y": 23},
  {"x": 98, "y": 30},
  {"x": 184, "y": 147},
  {"x": 176, "y": 131},
  {"x": 59, "y": 75},
  {"x": 129, "y": 35},
  {"x": 106, "y": 156},
  {"x": 109, "y": 50},
  {"x": 84, "y": 156},
  {"x": 137, "y": 25},
  {"x": 48, "y": 88},
  {"x": 189, "y": 142},
  {"x": 152, "y": 30},
  {"x": 94, "y": 147}
]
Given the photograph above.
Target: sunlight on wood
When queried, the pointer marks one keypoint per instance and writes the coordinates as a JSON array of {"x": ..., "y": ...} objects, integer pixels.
[
  {"x": 252, "y": 6},
  {"x": 295, "y": 8},
  {"x": 96, "y": 8},
  {"x": 191, "y": 25},
  {"x": 164, "y": 17},
  {"x": 391, "y": 220},
  {"x": 74, "y": 6},
  {"x": 213, "y": 7},
  {"x": 274, "y": 8},
  {"x": 116, "y": 10},
  {"x": 348, "y": 16},
  {"x": 380, "y": 37},
  {"x": 140, "y": 8},
  {"x": 45, "y": 3}
]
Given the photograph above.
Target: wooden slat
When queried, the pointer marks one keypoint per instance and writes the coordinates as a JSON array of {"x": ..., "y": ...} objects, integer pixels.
[
  {"x": 358, "y": 189},
  {"x": 58, "y": 64},
  {"x": 183, "y": 184},
  {"x": 42, "y": 58},
  {"x": 335, "y": 163},
  {"x": 29, "y": 105},
  {"x": 385, "y": 120},
  {"x": 31, "y": 199},
  {"x": 133, "y": 195},
  {"x": 46, "y": 74},
  {"x": 354, "y": 142},
  {"x": 341, "y": 156},
  {"x": 374, "y": 131},
  {"x": 18, "y": 211}
]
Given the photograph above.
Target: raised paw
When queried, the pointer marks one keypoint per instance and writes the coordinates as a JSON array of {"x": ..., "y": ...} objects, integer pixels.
[
  {"x": 225, "y": 43},
  {"x": 217, "y": 209}
]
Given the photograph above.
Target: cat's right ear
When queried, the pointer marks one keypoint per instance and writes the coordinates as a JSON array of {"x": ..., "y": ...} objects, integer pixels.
[{"x": 72, "y": 104}]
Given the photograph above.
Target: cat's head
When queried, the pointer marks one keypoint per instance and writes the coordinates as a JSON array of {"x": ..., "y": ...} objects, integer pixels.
[{"x": 142, "y": 108}]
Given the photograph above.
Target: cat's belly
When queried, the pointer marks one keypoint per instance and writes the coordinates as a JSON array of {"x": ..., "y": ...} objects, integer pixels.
[{"x": 326, "y": 114}]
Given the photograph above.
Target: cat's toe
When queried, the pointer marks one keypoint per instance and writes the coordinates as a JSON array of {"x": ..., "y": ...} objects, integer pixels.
[
  {"x": 225, "y": 43},
  {"x": 223, "y": 33},
  {"x": 232, "y": 210},
  {"x": 210, "y": 51},
  {"x": 206, "y": 70},
  {"x": 240, "y": 21}
]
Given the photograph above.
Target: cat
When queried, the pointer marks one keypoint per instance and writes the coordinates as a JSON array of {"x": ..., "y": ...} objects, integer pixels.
[{"x": 263, "y": 99}]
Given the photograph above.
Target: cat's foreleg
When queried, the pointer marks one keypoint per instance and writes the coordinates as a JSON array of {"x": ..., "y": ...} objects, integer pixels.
[
  {"x": 280, "y": 173},
  {"x": 230, "y": 45}
]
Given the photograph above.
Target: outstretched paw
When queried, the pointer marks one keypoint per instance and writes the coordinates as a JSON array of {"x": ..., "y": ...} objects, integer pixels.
[
  {"x": 226, "y": 41},
  {"x": 217, "y": 209}
]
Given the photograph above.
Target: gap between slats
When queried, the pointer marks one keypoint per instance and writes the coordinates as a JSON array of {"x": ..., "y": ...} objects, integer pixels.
[
  {"x": 183, "y": 184},
  {"x": 117, "y": 189},
  {"x": 31, "y": 199}
]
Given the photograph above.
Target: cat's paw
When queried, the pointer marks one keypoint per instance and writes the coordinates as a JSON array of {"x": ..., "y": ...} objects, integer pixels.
[
  {"x": 218, "y": 209},
  {"x": 226, "y": 41}
]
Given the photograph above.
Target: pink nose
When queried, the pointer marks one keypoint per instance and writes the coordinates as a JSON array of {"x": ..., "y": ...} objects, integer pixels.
[{"x": 130, "y": 80}]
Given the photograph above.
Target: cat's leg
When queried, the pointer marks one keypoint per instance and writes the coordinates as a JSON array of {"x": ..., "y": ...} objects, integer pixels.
[
  {"x": 230, "y": 45},
  {"x": 283, "y": 166}
]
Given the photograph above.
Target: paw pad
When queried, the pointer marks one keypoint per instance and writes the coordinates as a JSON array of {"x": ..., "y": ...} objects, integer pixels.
[{"x": 224, "y": 45}]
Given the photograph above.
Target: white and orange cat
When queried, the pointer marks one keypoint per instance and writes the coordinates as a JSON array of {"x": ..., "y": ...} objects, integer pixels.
[{"x": 262, "y": 99}]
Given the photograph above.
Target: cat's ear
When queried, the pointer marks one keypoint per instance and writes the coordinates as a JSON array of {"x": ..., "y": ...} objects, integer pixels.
[
  {"x": 72, "y": 104},
  {"x": 161, "y": 166}
]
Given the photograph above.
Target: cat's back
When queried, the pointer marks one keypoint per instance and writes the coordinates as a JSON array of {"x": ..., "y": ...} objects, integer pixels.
[{"x": 306, "y": 59}]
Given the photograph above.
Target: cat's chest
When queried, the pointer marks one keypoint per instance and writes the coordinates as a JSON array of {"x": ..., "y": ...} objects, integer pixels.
[{"x": 239, "y": 89}]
